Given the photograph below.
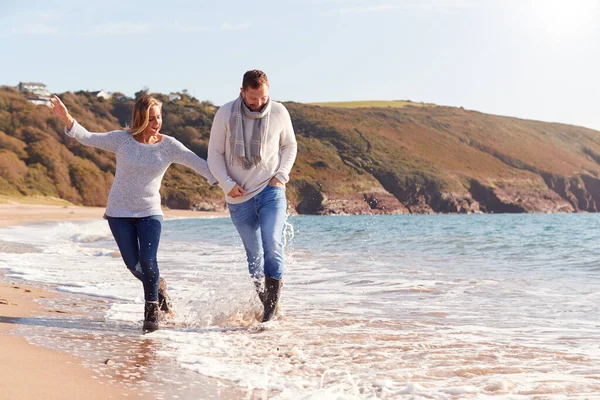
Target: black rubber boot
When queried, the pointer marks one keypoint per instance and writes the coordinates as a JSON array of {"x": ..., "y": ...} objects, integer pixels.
[
  {"x": 272, "y": 290},
  {"x": 260, "y": 291},
  {"x": 150, "y": 316},
  {"x": 164, "y": 301}
]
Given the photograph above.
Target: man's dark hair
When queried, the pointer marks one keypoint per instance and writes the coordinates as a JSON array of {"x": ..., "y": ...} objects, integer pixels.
[{"x": 254, "y": 79}]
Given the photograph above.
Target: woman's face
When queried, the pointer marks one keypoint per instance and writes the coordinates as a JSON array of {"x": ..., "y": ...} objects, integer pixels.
[{"x": 154, "y": 122}]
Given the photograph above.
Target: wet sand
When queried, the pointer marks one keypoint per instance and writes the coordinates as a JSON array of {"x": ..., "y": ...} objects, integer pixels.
[{"x": 30, "y": 372}]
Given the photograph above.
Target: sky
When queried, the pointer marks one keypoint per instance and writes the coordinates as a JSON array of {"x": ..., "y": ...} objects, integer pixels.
[{"x": 531, "y": 59}]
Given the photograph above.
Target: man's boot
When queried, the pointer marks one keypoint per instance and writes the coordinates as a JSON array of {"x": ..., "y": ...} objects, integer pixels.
[
  {"x": 272, "y": 290},
  {"x": 164, "y": 301},
  {"x": 150, "y": 316},
  {"x": 260, "y": 290}
]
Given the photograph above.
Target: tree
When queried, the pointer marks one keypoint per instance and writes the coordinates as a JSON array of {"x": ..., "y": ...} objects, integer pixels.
[{"x": 142, "y": 92}]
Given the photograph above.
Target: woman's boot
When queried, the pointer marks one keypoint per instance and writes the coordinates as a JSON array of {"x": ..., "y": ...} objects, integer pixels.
[
  {"x": 164, "y": 301},
  {"x": 272, "y": 290},
  {"x": 150, "y": 316}
]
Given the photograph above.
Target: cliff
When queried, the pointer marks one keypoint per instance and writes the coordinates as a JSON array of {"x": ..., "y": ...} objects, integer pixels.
[{"x": 379, "y": 158}]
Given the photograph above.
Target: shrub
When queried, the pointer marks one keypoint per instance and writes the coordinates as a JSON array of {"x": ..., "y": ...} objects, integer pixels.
[
  {"x": 91, "y": 183},
  {"x": 37, "y": 182},
  {"x": 11, "y": 167},
  {"x": 15, "y": 145}
]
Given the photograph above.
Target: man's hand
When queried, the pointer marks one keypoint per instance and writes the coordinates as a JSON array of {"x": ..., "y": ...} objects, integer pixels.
[
  {"x": 237, "y": 191},
  {"x": 276, "y": 182}
]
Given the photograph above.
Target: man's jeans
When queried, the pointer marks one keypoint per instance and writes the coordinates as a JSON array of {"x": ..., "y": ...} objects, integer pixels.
[
  {"x": 260, "y": 223},
  {"x": 138, "y": 239}
]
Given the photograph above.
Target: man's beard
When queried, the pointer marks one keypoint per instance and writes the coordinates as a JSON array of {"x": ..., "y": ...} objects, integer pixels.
[{"x": 252, "y": 108}]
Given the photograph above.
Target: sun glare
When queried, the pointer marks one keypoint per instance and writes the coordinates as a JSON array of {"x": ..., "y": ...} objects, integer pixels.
[{"x": 565, "y": 20}]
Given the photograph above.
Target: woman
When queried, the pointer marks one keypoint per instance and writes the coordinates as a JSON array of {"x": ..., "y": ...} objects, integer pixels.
[{"x": 133, "y": 210}]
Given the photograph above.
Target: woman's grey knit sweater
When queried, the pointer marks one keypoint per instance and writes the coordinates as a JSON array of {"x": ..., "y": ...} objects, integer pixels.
[{"x": 140, "y": 169}]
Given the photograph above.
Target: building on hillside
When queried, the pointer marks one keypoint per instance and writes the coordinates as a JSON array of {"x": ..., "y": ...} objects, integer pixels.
[
  {"x": 40, "y": 101},
  {"x": 33, "y": 87},
  {"x": 174, "y": 96},
  {"x": 36, "y": 92},
  {"x": 102, "y": 94}
]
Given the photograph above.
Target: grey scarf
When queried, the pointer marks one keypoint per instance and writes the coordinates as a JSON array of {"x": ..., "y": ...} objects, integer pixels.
[{"x": 252, "y": 156}]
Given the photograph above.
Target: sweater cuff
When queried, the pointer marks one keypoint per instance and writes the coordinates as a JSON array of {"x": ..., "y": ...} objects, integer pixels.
[
  {"x": 71, "y": 132},
  {"x": 227, "y": 186},
  {"x": 282, "y": 177}
]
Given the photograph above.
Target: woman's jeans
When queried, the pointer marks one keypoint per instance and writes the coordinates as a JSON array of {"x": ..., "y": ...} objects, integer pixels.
[
  {"x": 260, "y": 223},
  {"x": 138, "y": 239}
]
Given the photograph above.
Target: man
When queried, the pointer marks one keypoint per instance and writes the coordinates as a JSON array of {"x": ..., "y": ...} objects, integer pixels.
[{"x": 251, "y": 151}]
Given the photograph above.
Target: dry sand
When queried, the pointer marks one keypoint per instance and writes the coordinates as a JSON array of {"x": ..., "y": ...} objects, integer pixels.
[{"x": 31, "y": 372}]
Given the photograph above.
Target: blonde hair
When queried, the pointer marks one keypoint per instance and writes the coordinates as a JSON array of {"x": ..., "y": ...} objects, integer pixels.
[{"x": 141, "y": 113}]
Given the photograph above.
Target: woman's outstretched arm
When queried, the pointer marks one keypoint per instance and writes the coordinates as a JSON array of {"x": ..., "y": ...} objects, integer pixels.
[
  {"x": 184, "y": 156},
  {"x": 107, "y": 141}
]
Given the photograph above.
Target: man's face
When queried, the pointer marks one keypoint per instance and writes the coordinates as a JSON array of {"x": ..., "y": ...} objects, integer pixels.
[{"x": 255, "y": 99}]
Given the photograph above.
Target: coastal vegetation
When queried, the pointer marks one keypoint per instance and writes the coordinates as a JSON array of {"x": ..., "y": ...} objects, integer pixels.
[{"x": 354, "y": 158}]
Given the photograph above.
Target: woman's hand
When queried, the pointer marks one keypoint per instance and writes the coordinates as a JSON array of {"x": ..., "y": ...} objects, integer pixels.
[
  {"x": 60, "y": 110},
  {"x": 237, "y": 191}
]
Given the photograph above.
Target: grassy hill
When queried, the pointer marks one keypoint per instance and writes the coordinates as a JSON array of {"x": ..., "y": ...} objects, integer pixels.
[
  {"x": 356, "y": 157},
  {"x": 372, "y": 103},
  {"x": 443, "y": 159}
]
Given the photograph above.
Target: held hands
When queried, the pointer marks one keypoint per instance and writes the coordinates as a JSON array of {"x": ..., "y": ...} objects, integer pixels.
[
  {"x": 237, "y": 191},
  {"x": 60, "y": 110}
]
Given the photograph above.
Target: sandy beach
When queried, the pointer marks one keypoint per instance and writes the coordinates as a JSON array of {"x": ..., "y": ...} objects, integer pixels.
[
  {"x": 15, "y": 214},
  {"x": 31, "y": 372}
]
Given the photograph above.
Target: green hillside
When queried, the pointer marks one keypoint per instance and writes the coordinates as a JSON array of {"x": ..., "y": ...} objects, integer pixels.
[
  {"x": 443, "y": 159},
  {"x": 38, "y": 159},
  {"x": 355, "y": 158}
]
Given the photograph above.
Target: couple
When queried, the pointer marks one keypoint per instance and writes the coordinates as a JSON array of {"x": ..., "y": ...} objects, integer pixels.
[{"x": 251, "y": 151}]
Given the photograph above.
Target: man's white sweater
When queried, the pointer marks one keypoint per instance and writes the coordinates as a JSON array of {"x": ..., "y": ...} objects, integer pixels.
[{"x": 279, "y": 153}]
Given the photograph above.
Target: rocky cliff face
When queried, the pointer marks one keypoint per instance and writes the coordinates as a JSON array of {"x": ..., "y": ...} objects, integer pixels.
[
  {"x": 582, "y": 191},
  {"x": 479, "y": 199},
  {"x": 518, "y": 200}
]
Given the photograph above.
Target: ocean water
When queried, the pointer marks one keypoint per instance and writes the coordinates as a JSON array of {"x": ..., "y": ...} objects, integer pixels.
[{"x": 374, "y": 307}]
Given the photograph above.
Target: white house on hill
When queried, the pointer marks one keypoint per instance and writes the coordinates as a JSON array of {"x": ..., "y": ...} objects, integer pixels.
[
  {"x": 102, "y": 94},
  {"x": 36, "y": 92}
]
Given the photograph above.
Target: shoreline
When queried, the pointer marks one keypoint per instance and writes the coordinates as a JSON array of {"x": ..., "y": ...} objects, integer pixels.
[
  {"x": 28, "y": 371},
  {"x": 18, "y": 214}
]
